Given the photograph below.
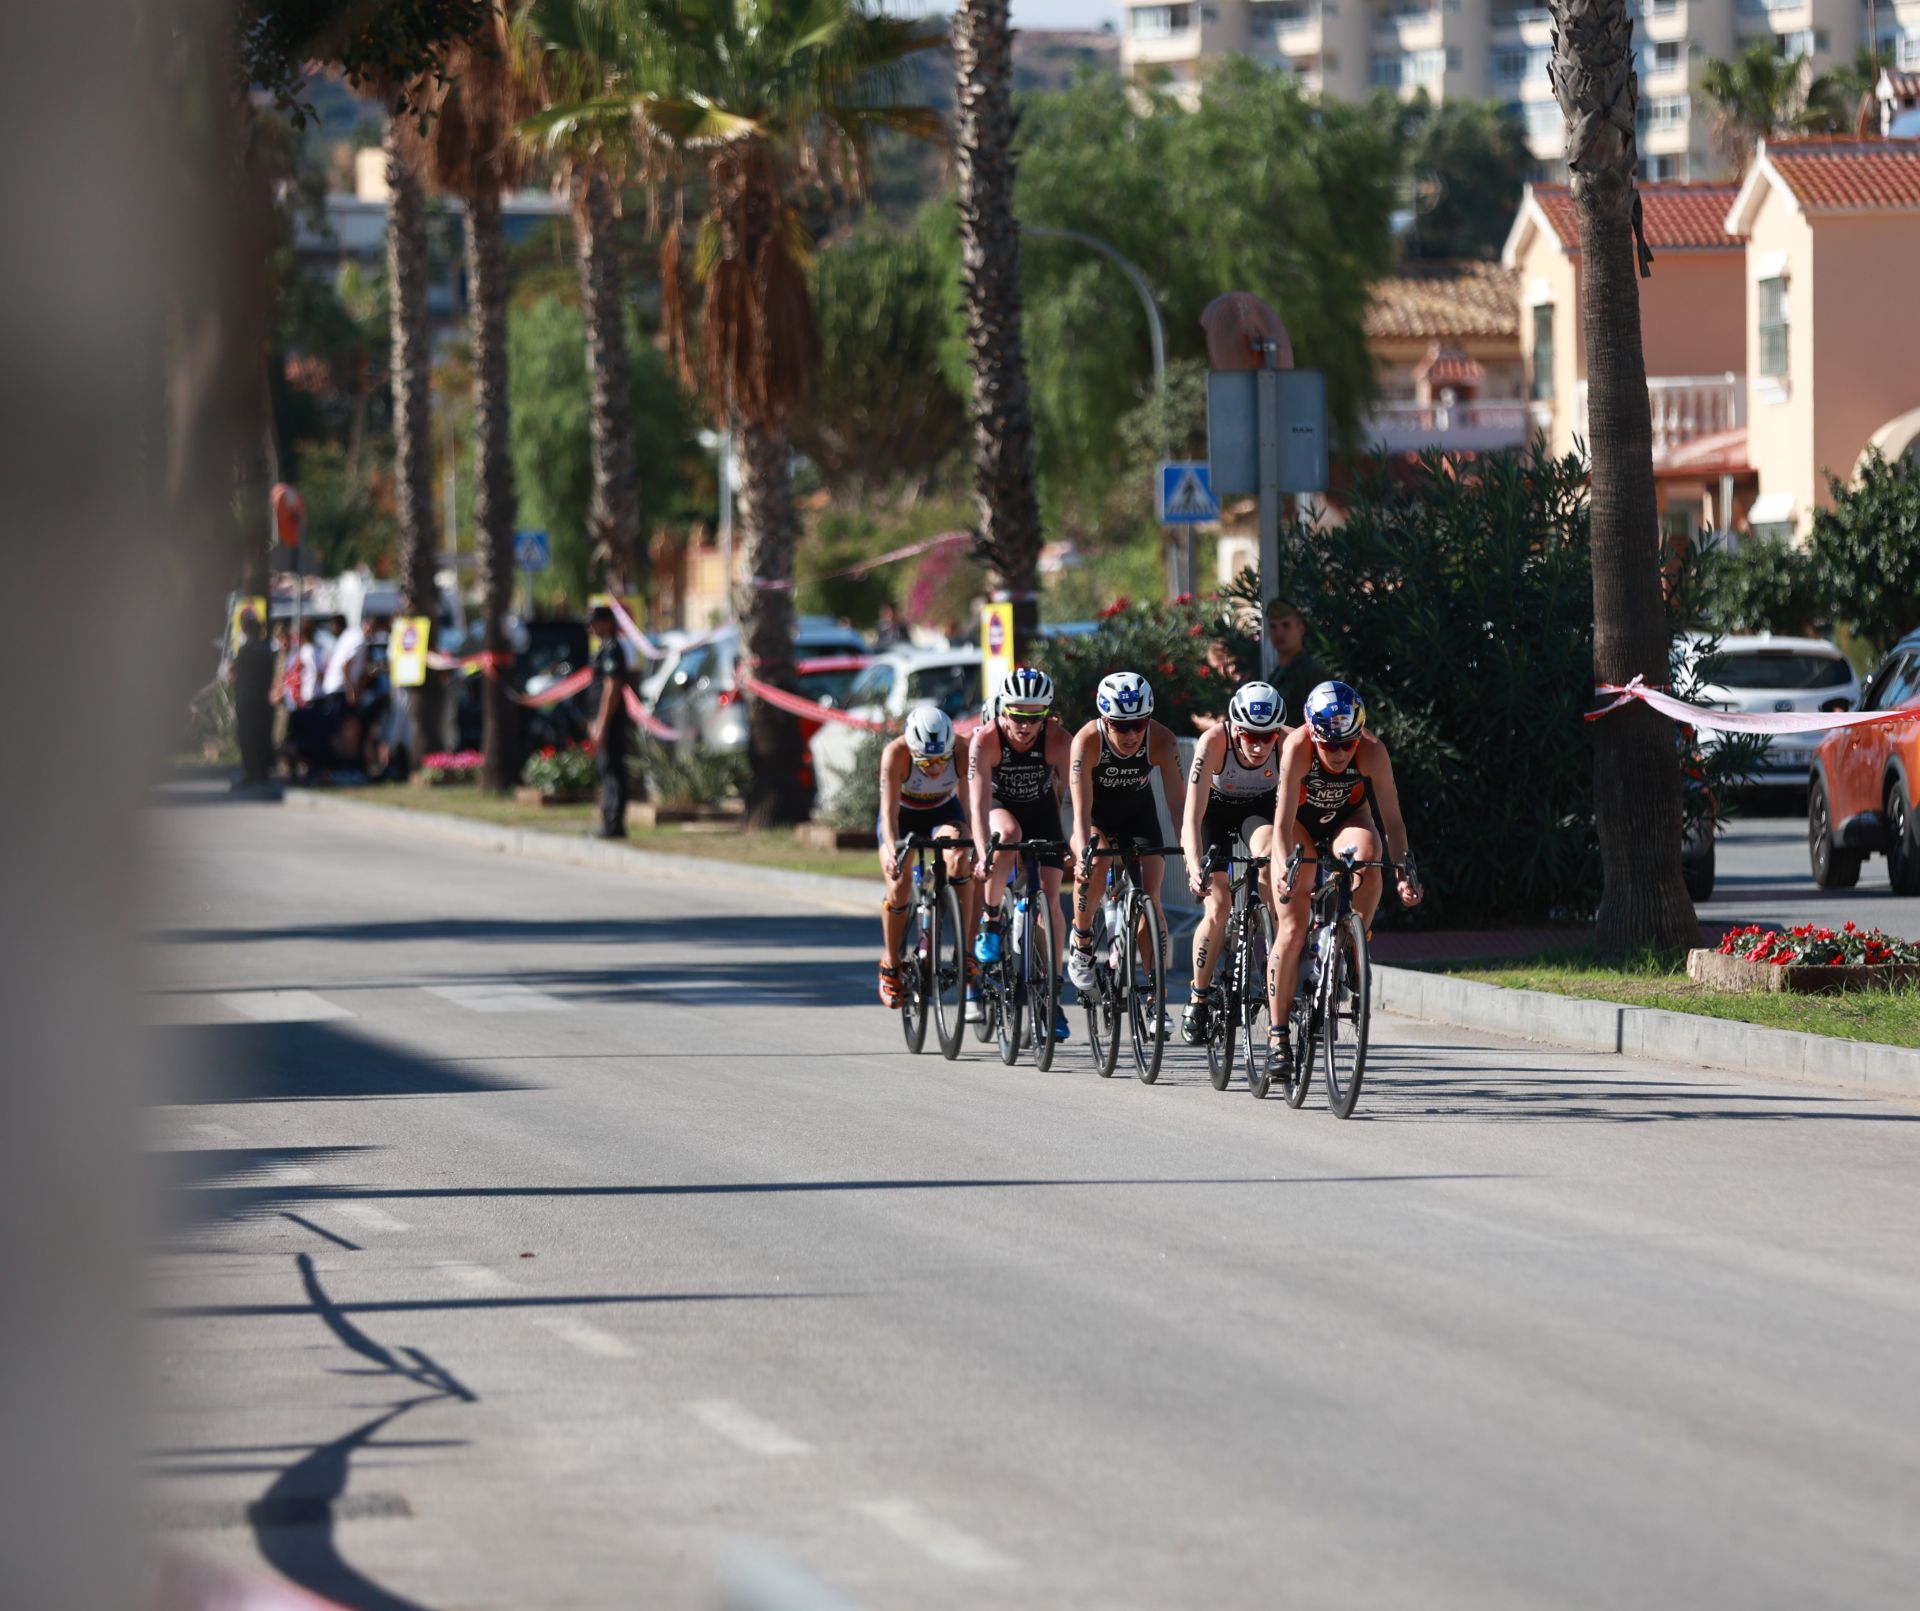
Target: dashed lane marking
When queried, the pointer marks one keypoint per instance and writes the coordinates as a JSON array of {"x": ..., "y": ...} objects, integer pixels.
[
  {"x": 589, "y": 1339},
  {"x": 940, "y": 1541},
  {"x": 745, "y": 1430},
  {"x": 283, "y": 1006},
  {"x": 497, "y": 998},
  {"x": 371, "y": 1218}
]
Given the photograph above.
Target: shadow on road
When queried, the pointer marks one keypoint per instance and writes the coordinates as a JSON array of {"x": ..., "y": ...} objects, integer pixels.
[
  {"x": 299, "y": 1062},
  {"x": 771, "y": 929}
]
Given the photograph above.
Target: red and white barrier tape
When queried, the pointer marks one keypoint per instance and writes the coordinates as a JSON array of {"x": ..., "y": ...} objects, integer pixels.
[
  {"x": 648, "y": 722},
  {"x": 630, "y": 630},
  {"x": 566, "y": 688},
  {"x": 1743, "y": 721},
  {"x": 485, "y": 660},
  {"x": 809, "y": 709},
  {"x": 926, "y": 545}
]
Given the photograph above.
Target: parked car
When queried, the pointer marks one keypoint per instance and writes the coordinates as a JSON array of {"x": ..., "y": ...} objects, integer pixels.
[
  {"x": 1761, "y": 672},
  {"x": 891, "y": 686},
  {"x": 695, "y": 690},
  {"x": 1864, "y": 797}
]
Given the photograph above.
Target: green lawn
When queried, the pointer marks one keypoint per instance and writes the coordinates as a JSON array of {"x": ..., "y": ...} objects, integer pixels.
[
  {"x": 1890, "y": 1017},
  {"x": 726, "y": 842}
]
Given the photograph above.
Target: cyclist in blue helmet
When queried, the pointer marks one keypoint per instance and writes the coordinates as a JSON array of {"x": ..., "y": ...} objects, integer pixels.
[{"x": 1336, "y": 793}]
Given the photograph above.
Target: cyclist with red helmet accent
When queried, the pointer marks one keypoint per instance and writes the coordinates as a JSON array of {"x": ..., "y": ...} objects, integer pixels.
[
  {"x": 1230, "y": 795},
  {"x": 1336, "y": 794}
]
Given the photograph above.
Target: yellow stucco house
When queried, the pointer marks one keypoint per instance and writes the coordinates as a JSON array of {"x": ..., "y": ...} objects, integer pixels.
[{"x": 1832, "y": 260}]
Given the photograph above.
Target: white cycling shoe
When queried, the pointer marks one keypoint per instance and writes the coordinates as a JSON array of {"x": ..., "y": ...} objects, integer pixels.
[{"x": 1080, "y": 967}]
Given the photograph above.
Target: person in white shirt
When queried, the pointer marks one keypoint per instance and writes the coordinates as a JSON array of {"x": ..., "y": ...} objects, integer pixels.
[{"x": 346, "y": 665}]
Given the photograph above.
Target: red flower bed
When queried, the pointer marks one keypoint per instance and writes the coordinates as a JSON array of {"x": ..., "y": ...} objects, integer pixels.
[{"x": 1810, "y": 947}]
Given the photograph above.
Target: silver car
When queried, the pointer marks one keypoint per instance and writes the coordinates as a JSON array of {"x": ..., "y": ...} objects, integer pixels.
[
  {"x": 1761, "y": 672},
  {"x": 696, "y": 692}
]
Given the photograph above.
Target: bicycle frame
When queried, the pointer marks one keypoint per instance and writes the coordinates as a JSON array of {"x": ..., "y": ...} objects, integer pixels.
[{"x": 1006, "y": 989}]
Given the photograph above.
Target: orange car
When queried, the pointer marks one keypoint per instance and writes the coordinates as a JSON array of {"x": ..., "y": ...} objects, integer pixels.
[{"x": 1864, "y": 795}]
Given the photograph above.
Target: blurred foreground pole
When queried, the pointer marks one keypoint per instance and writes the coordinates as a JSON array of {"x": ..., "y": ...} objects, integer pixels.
[{"x": 107, "y": 518}]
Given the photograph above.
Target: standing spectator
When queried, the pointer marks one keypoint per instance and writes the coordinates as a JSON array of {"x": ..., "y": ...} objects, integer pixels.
[
  {"x": 251, "y": 674},
  {"x": 891, "y": 631},
  {"x": 346, "y": 667},
  {"x": 300, "y": 681},
  {"x": 1295, "y": 672},
  {"x": 611, "y": 668}
]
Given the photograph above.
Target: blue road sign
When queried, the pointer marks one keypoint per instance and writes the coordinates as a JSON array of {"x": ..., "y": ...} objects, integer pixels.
[
  {"x": 1186, "y": 495},
  {"x": 532, "y": 551}
]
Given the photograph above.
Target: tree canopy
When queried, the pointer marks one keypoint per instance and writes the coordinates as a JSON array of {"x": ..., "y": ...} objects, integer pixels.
[{"x": 1466, "y": 163}]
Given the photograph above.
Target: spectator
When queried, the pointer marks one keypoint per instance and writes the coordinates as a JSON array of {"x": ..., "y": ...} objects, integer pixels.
[
  {"x": 301, "y": 676},
  {"x": 346, "y": 668},
  {"x": 1295, "y": 672},
  {"x": 612, "y": 666},
  {"x": 251, "y": 675},
  {"x": 891, "y": 631}
]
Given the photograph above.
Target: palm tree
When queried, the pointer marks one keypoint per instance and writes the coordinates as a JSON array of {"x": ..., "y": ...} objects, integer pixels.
[
  {"x": 1010, "y": 535},
  {"x": 466, "y": 148},
  {"x": 409, "y": 368},
  {"x": 1761, "y": 95},
  {"x": 756, "y": 98},
  {"x": 1643, "y": 903},
  {"x": 561, "y": 47}
]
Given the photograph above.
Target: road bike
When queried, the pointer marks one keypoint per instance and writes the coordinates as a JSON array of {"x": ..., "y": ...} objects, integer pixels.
[
  {"x": 1019, "y": 990},
  {"x": 1332, "y": 1009},
  {"x": 1237, "y": 998},
  {"x": 933, "y": 956},
  {"x": 1129, "y": 939}
]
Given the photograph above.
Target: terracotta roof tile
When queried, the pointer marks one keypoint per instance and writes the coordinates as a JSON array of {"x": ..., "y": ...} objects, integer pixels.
[
  {"x": 1841, "y": 173},
  {"x": 1678, "y": 215},
  {"x": 1436, "y": 301}
]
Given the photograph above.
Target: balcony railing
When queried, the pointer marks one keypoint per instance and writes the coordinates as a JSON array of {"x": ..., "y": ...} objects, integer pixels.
[
  {"x": 1459, "y": 427},
  {"x": 1685, "y": 408}
]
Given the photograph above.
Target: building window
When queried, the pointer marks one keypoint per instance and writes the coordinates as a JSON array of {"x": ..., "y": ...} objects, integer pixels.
[
  {"x": 1542, "y": 352},
  {"x": 1667, "y": 55},
  {"x": 1160, "y": 22},
  {"x": 1668, "y": 167},
  {"x": 1663, "y": 112},
  {"x": 1385, "y": 69},
  {"x": 1544, "y": 121},
  {"x": 1510, "y": 66},
  {"x": 1774, "y": 323}
]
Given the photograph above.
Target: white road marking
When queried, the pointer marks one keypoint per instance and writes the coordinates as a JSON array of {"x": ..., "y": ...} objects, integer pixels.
[
  {"x": 497, "y": 998},
  {"x": 374, "y": 1219},
  {"x": 285, "y": 1174},
  {"x": 742, "y": 1428},
  {"x": 221, "y": 1132},
  {"x": 589, "y": 1339},
  {"x": 283, "y": 1006},
  {"x": 940, "y": 1541},
  {"x": 476, "y": 1277}
]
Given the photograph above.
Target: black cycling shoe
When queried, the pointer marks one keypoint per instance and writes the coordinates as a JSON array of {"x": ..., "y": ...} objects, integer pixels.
[
  {"x": 1196, "y": 1023},
  {"x": 1280, "y": 1058}
]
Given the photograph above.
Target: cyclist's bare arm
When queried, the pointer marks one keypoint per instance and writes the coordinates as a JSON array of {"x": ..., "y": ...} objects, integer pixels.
[
  {"x": 983, "y": 755},
  {"x": 1206, "y": 762},
  {"x": 894, "y": 765},
  {"x": 1085, "y": 752},
  {"x": 1296, "y": 755}
]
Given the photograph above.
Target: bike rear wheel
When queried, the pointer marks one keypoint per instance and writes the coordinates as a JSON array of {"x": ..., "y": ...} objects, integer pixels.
[
  {"x": 1345, "y": 1011},
  {"x": 1254, "y": 952},
  {"x": 1146, "y": 986},
  {"x": 914, "y": 966},
  {"x": 949, "y": 973},
  {"x": 1041, "y": 985}
]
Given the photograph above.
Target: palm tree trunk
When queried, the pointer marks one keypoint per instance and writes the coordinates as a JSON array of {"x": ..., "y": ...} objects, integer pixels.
[
  {"x": 613, "y": 517},
  {"x": 1009, "y": 536},
  {"x": 1643, "y": 903},
  {"x": 775, "y": 792},
  {"x": 493, "y": 499},
  {"x": 409, "y": 371}
]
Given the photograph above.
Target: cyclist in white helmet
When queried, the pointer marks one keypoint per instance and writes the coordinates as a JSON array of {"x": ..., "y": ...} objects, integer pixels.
[
  {"x": 1231, "y": 794},
  {"x": 919, "y": 794},
  {"x": 1336, "y": 793},
  {"x": 1016, "y": 771},
  {"x": 1110, "y": 778}
]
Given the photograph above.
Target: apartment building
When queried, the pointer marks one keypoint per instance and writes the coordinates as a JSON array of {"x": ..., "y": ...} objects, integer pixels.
[{"x": 1495, "y": 50}]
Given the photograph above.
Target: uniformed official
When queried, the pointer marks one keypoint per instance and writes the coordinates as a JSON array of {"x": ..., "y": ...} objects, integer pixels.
[{"x": 612, "y": 665}]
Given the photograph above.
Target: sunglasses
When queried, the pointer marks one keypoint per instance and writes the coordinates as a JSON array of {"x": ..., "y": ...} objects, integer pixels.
[
  {"x": 932, "y": 763},
  {"x": 1341, "y": 748},
  {"x": 1026, "y": 718},
  {"x": 1133, "y": 725},
  {"x": 1247, "y": 737}
]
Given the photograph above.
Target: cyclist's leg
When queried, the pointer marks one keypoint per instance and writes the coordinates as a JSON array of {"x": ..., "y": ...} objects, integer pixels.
[
  {"x": 899, "y": 895},
  {"x": 1365, "y": 845},
  {"x": 1003, "y": 822},
  {"x": 1083, "y": 888},
  {"x": 1217, "y": 828},
  {"x": 1050, "y": 878},
  {"x": 1153, "y": 874},
  {"x": 1290, "y": 934}
]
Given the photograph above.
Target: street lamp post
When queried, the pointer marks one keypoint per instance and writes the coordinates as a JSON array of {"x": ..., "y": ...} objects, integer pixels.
[{"x": 1179, "y": 562}]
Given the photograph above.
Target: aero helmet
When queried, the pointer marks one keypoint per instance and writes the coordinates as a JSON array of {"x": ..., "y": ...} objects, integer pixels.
[
  {"x": 1124, "y": 696},
  {"x": 1336, "y": 713},
  {"x": 1026, "y": 686},
  {"x": 1256, "y": 708},
  {"x": 929, "y": 732}
]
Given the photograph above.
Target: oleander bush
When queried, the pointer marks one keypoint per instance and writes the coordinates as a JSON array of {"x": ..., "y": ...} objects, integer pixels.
[{"x": 567, "y": 770}]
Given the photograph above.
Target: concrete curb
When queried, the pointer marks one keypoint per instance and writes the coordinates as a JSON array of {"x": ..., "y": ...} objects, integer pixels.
[
  {"x": 1538, "y": 1015},
  {"x": 853, "y": 894},
  {"x": 1604, "y": 1026}
]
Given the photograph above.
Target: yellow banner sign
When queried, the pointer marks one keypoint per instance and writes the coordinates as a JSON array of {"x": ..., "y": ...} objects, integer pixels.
[
  {"x": 243, "y": 607},
  {"x": 996, "y": 647},
  {"x": 407, "y": 650}
]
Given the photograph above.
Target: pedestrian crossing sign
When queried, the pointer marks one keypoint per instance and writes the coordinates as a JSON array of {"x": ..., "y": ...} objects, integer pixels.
[{"x": 1186, "y": 494}]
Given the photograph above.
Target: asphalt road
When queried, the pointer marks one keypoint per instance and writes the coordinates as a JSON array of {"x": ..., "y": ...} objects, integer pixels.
[
  {"x": 535, "y": 1236},
  {"x": 1762, "y": 876}
]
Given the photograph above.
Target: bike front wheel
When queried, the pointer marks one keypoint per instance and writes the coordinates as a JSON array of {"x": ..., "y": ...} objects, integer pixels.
[
  {"x": 1255, "y": 949},
  {"x": 1042, "y": 990},
  {"x": 949, "y": 955},
  {"x": 1102, "y": 1004},
  {"x": 1345, "y": 1011},
  {"x": 1223, "y": 1009},
  {"x": 1146, "y": 986},
  {"x": 915, "y": 965}
]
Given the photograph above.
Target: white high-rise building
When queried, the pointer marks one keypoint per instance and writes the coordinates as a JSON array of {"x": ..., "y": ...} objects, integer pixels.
[{"x": 1494, "y": 50}]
